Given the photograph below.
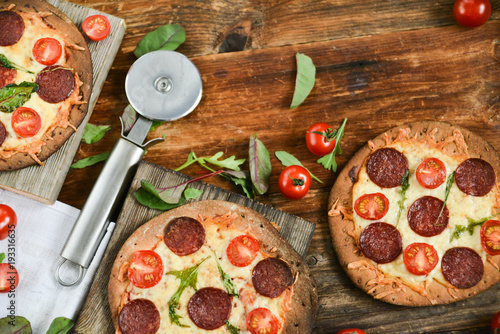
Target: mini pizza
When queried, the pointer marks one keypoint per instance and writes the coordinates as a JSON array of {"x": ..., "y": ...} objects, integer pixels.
[
  {"x": 45, "y": 81},
  {"x": 414, "y": 215},
  {"x": 210, "y": 266}
]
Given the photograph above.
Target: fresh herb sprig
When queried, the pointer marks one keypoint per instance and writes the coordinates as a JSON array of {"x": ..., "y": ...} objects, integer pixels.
[
  {"x": 405, "y": 185},
  {"x": 226, "y": 281},
  {"x": 328, "y": 161},
  {"x": 12, "y": 66},
  {"x": 232, "y": 329},
  {"x": 472, "y": 223},
  {"x": 229, "y": 163},
  {"x": 14, "y": 96},
  {"x": 449, "y": 183}
]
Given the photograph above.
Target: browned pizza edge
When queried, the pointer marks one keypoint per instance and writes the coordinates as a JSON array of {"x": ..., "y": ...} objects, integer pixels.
[
  {"x": 79, "y": 60},
  {"x": 300, "y": 319},
  {"x": 345, "y": 246}
]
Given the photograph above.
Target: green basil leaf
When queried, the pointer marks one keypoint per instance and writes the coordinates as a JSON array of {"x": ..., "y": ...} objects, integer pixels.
[
  {"x": 15, "y": 325},
  {"x": 94, "y": 133},
  {"x": 288, "y": 159},
  {"x": 304, "y": 82},
  {"x": 260, "y": 165},
  {"x": 14, "y": 96},
  {"x": 167, "y": 37},
  {"x": 89, "y": 161},
  {"x": 60, "y": 325}
]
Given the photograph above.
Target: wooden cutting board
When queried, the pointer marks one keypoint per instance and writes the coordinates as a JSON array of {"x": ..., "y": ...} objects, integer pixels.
[
  {"x": 95, "y": 316},
  {"x": 43, "y": 183}
]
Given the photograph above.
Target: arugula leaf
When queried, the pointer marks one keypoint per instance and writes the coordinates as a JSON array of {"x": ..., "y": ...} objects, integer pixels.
[
  {"x": 18, "y": 325},
  {"x": 94, "y": 133},
  {"x": 189, "y": 278},
  {"x": 14, "y": 96},
  {"x": 328, "y": 161},
  {"x": 60, "y": 325},
  {"x": 89, "y": 161},
  {"x": 304, "y": 82},
  {"x": 232, "y": 329},
  {"x": 460, "y": 229},
  {"x": 226, "y": 280},
  {"x": 230, "y": 163},
  {"x": 260, "y": 165},
  {"x": 288, "y": 159},
  {"x": 404, "y": 187},
  {"x": 12, "y": 66},
  {"x": 240, "y": 179},
  {"x": 449, "y": 183},
  {"x": 167, "y": 37}
]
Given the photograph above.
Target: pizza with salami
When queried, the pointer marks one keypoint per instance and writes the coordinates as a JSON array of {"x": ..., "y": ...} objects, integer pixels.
[
  {"x": 45, "y": 81},
  {"x": 210, "y": 266},
  {"x": 413, "y": 215}
]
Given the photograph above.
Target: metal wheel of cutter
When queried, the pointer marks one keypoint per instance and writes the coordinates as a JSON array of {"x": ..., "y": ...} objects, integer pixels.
[{"x": 160, "y": 86}]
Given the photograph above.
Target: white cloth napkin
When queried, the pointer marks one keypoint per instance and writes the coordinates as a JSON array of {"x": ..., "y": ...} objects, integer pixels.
[{"x": 40, "y": 235}]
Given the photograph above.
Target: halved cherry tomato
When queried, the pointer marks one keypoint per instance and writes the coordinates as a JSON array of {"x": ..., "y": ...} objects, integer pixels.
[
  {"x": 294, "y": 182},
  {"x": 471, "y": 13},
  {"x": 242, "y": 250},
  {"x": 420, "y": 258},
  {"x": 9, "y": 277},
  {"x": 96, "y": 27},
  {"x": 320, "y": 144},
  {"x": 490, "y": 237},
  {"x": 26, "y": 122},
  {"x": 431, "y": 173},
  {"x": 495, "y": 324},
  {"x": 146, "y": 269},
  {"x": 47, "y": 51},
  {"x": 371, "y": 206},
  {"x": 8, "y": 220},
  {"x": 261, "y": 320},
  {"x": 351, "y": 331}
]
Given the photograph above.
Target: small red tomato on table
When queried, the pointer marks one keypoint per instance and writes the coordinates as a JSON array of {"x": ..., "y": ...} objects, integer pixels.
[
  {"x": 495, "y": 324},
  {"x": 9, "y": 277},
  {"x": 8, "y": 220},
  {"x": 96, "y": 27},
  {"x": 294, "y": 182},
  {"x": 471, "y": 13},
  {"x": 320, "y": 139},
  {"x": 351, "y": 331}
]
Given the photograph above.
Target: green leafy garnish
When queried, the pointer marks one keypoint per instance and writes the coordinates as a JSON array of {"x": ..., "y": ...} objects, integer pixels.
[
  {"x": 2, "y": 257},
  {"x": 449, "y": 183},
  {"x": 328, "y": 161},
  {"x": 404, "y": 187},
  {"x": 260, "y": 165},
  {"x": 226, "y": 280},
  {"x": 232, "y": 329},
  {"x": 167, "y": 37},
  {"x": 151, "y": 201},
  {"x": 230, "y": 163},
  {"x": 12, "y": 66},
  {"x": 14, "y": 96},
  {"x": 460, "y": 229},
  {"x": 18, "y": 325},
  {"x": 288, "y": 159},
  {"x": 89, "y": 161},
  {"x": 60, "y": 325},
  {"x": 94, "y": 133},
  {"x": 304, "y": 82},
  {"x": 189, "y": 278}
]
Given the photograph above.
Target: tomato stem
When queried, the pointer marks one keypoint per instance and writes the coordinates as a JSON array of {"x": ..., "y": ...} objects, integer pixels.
[{"x": 297, "y": 182}]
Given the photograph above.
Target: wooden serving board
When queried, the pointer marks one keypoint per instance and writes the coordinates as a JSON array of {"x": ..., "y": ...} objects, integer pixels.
[
  {"x": 43, "y": 183},
  {"x": 96, "y": 315}
]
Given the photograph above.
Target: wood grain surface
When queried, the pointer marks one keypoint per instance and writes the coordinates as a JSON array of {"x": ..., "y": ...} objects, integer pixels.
[{"x": 379, "y": 63}]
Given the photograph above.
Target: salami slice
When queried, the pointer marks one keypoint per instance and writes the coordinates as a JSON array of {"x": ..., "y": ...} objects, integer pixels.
[
  {"x": 386, "y": 167},
  {"x": 462, "y": 267},
  {"x": 56, "y": 84},
  {"x": 12, "y": 28},
  {"x": 272, "y": 276},
  {"x": 381, "y": 242},
  {"x": 7, "y": 76},
  {"x": 475, "y": 177},
  {"x": 184, "y": 235},
  {"x": 139, "y": 316},
  {"x": 423, "y": 216},
  {"x": 209, "y": 308},
  {"x": 3, "y": 133}
]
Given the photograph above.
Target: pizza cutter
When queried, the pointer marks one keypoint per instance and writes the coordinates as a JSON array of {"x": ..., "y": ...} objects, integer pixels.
[{"x": 160, "y": 86}]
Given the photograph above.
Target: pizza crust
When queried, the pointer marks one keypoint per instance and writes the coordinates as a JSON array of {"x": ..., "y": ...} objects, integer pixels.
[
  {"x": 345, "y": 246},
  {"x": 81, "y": 63},
  {"x": 299, "y": 319}
]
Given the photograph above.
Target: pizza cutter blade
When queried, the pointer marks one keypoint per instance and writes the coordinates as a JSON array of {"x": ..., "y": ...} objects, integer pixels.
[{"x": 161, "y": 86}]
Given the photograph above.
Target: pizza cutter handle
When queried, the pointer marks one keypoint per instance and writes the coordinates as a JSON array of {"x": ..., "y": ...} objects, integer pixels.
[{"x": 106, "y": 195}]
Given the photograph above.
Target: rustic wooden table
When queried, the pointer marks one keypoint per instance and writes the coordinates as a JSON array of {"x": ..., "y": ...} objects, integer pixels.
[{"x": 379, "y": 63}]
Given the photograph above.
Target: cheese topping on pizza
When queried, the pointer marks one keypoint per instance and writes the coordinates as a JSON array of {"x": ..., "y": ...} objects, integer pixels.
[
  {"x": 214, "y": 277},
  {"x": 418, "y": 212}
]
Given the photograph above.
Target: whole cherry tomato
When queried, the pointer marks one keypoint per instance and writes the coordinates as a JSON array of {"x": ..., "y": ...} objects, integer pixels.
[
  {"x": 495, "y": 324},
  {"x": 294, "y": 182},
  {"x": 351, "y": 331},
  {"x": 9, "y": 277},
  {"x": 471, "y": 13},
  {"x": 320, "y": 139},
  {"x": 8, "y": 220}
]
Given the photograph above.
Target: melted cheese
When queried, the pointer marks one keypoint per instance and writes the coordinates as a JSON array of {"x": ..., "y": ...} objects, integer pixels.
[
  {"x": 216, "y": 242},
  {"x": 460, "y": 206}
]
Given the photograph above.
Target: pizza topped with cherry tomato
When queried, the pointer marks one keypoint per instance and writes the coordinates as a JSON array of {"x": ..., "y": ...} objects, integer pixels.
[
  {"x": 420, "y": 205},
  {"x": 45, "y": 81},
  {"x": 210, "y": 266}
]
